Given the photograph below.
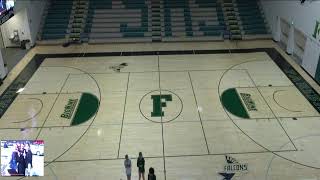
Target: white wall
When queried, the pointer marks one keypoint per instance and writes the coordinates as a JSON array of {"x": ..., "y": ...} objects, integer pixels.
[
  {"x": 311, "y": 57},
  {"x": 35, "y": 10},
  {"x": 18, "y": 22},
  {"x": 20, "y": 5},
  {"x": 27, "y": 19},
  {"x": 304, "y": 18},
  {"x": 3, "y": 70},
  {"x": 1, "y": 40}
]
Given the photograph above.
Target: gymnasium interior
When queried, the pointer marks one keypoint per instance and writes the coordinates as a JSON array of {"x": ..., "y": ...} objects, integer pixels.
[{"x": 204, "y": 89}]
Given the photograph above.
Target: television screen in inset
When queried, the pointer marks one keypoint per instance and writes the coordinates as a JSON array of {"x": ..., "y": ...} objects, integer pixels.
[
  {"x": 22, "y": 158},
  {"x": 5, "y": 5}
]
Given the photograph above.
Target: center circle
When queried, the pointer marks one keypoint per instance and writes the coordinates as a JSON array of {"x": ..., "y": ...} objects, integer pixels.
[{"x": 161, "y": 106}]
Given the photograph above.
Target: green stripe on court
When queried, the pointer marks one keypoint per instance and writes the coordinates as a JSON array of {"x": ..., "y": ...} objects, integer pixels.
[
  {"x": 87, "y": 108},
  {"x": 232, "y": 102}
]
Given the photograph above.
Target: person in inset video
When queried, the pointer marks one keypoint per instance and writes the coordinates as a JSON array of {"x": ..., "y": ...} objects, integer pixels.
[
  {"x": 13, "y": 162},
  {"x": 28, "y": 159},
  {"x": 21, "y": 161}
]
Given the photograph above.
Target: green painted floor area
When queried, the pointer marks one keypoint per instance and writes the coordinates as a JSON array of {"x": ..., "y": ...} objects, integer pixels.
[
  {"x": 232, "y": 102},
  {"x": 87, "y": 108}
]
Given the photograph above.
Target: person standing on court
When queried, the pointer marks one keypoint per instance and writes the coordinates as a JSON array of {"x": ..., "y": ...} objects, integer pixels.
[
  {"x": 127, "y": 166},
  {"x": 151, "y": 175},
  {"x": 140, "y": 165}
]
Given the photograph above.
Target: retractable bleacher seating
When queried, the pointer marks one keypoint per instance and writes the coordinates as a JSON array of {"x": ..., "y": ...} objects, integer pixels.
[
  {"x": 118, "y": 21},
  {"x": 192, "y": 20},
  {"x": 56, "y": 22},
  {"x": 252, "y": 22},
  {"x": 103, "y": 21}
]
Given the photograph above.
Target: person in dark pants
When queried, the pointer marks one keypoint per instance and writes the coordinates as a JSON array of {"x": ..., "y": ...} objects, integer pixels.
[
  {"x": 151, "y": 175},
  {"x": 140, "y": 165},
  {"x": 21, "y": 162},
  {"x": 28, "y": 159}
]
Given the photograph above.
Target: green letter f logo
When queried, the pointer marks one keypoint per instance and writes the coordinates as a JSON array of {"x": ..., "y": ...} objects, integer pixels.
[{"x": 158, "y": 104}]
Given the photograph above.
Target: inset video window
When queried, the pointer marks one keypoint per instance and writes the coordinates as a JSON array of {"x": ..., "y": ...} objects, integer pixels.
[{"x": 22, "y": 158}]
